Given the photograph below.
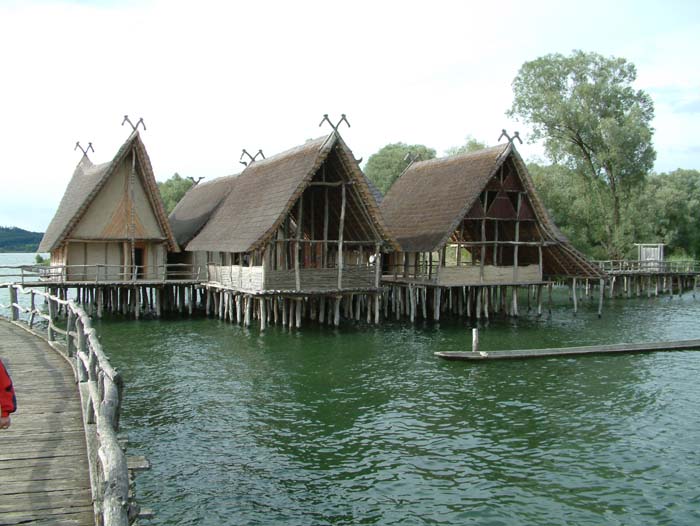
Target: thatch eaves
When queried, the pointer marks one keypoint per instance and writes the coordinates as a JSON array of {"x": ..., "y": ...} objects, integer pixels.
[
  {"x": 264, "y": 193},
  {"x": 87, "y": 181},
  {"x": 197, "y": 206}
]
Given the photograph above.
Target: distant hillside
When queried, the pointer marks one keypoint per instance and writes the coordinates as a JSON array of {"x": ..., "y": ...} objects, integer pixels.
[{"x": 13, "y": 239}]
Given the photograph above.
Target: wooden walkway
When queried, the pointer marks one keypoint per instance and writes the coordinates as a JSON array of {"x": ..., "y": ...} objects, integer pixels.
[
  {"x": 681, "y": 345},
  {"x": 44, "y": 474}
]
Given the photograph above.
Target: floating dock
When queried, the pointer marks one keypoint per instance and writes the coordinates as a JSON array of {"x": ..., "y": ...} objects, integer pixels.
[{"x": 681, "y": 345}]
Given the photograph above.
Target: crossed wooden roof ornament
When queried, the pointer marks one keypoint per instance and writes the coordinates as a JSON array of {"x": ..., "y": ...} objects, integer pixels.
[
  {"x": 251, "y": 158},
  {"x": 134, "y": 127},
  {"x": 84, "y": 150},
  {"x": 516, "y": 135},
  {"x": 335, "y": 126}
]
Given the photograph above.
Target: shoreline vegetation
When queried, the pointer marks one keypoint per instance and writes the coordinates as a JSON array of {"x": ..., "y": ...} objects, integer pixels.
[{"x": 18, "y": 240}]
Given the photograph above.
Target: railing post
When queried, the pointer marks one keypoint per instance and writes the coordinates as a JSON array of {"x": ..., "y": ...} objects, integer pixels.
[
  {"x": 70, "y": 327},
  {"x": 13, "y": 302},
  {"x": 32, "y": 309},
  {"x": 52, "y": 315}
]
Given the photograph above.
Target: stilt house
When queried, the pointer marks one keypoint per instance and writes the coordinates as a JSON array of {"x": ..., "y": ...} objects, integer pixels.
[
  {"x": 475, "y": 220},
  {"x": 302, "y": 224},
  {"x": 111, "y": 224}
]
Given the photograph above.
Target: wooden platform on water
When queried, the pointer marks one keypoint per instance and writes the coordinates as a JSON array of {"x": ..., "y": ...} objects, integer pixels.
[
  {"x": 44, "y": 474},
  {"x": 681, "y": 345}
]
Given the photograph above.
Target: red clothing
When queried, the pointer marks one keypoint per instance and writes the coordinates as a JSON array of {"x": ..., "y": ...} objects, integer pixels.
[{"x": 8, "y": 402}]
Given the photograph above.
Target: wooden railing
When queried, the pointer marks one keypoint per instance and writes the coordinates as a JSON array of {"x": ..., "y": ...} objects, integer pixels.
[
  {"x": 99, "y": 274},
  {"x": 622, "y": 266},
  {"x": 101, "y": 390}
]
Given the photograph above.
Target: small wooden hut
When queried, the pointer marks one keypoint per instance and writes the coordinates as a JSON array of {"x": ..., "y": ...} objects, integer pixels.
[
  {"x": 296, "y": 235},
  {"x": 470, "y": 227},
  {"x": 111, "y": 225}
]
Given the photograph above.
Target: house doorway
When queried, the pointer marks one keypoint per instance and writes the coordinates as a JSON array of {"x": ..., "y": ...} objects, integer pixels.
[{"x": 140, "y": 261}]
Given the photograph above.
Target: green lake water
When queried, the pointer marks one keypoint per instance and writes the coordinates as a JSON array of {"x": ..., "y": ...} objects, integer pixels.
[{"x": 363, "y": 425}]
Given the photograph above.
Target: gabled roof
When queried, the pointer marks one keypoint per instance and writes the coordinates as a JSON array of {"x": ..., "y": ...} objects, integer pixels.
[
  {"x": 425, "y": 205},
  {"x": 429, "y": 200},
  {"x": 264, "y": 193},
  {"x": 196, "y": 207},
  {"x": 87, "y": 181}
]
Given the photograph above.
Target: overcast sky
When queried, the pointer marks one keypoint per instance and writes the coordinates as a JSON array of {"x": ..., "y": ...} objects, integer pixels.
[{"x": 211, "y": 78}]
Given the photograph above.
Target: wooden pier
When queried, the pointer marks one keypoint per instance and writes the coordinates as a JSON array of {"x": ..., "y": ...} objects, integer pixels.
[
  {"x": 681, "y": 345},
  {"x": 61, "y": 461},
  {"x": 44, "y": 471}
]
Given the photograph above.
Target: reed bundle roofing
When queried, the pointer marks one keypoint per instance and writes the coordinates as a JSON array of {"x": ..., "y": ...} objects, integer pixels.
[
  {"x": 197, "y": 206},
  {"x": 429, "y": 200},
  {"x": 87, "y": 181},
  {"x": 263, "y": 194}
]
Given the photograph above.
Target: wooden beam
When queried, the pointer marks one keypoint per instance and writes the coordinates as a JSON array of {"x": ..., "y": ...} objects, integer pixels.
[
  {"x": 324, "y": 260},
  {"x": 331, "y": 184},
  {"x": 483, "y": 249},
  {"x": 517, "y": 238},
  {"x": 300, "y": 215},
  {"x": 341, "y": 228}
]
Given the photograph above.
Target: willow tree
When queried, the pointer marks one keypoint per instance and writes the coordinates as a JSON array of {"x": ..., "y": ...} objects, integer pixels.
[{"x": 592, "y": 120}]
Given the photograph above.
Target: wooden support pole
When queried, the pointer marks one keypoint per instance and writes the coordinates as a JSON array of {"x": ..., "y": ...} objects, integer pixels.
[
  {"x": 600, "y": 297},
  {"x": 478, "y": 303},
  {"x": 336, "y": 314},
  {"x": 377, "y": 297},
  {"x": 487, "y": 293},
  {"x": 539, "y": 300},
  {"x": 136, "y": 302},
  {"x": 573, "y": 295},
  {"x": 341, "y": 230},
  {"x": 324, "y": 255},
  {"x": 248, "y": 310},
  {"x": 517, "y": 239},
  {"x": 299, "y": 311},
  {"x": 297, "y": 247},
  {"x": 483, "y": 250},
  {"x": 475, "y": 339},
  {"x": 263, "y": 314},
  {"x": 412, "y": 300}
]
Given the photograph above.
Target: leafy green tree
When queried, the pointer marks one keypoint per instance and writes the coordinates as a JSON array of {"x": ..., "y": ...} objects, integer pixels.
[
  {"x": 574, "y": 210},
  {"x": 595, "y": 123},
  {"x": 172, "y": 190},
  {"x": 471, "y": 145},
  {"x": 672, "y": 208},
  {"x": 385, "y": 166}
]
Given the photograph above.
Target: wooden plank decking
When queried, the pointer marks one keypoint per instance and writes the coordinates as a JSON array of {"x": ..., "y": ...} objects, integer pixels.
[
  {"x": 44, "y": 477},
  {"x": 681, "y": 345}
]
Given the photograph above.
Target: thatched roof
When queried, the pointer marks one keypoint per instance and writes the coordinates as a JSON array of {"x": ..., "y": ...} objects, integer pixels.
[
  {"x": 87, "y": 181},
  {"x": 426, "y": 204},
  {"x": 376, "y": 192},
  {"x": 264, "y": 193},
  {"x": 196, "y": 207}
]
